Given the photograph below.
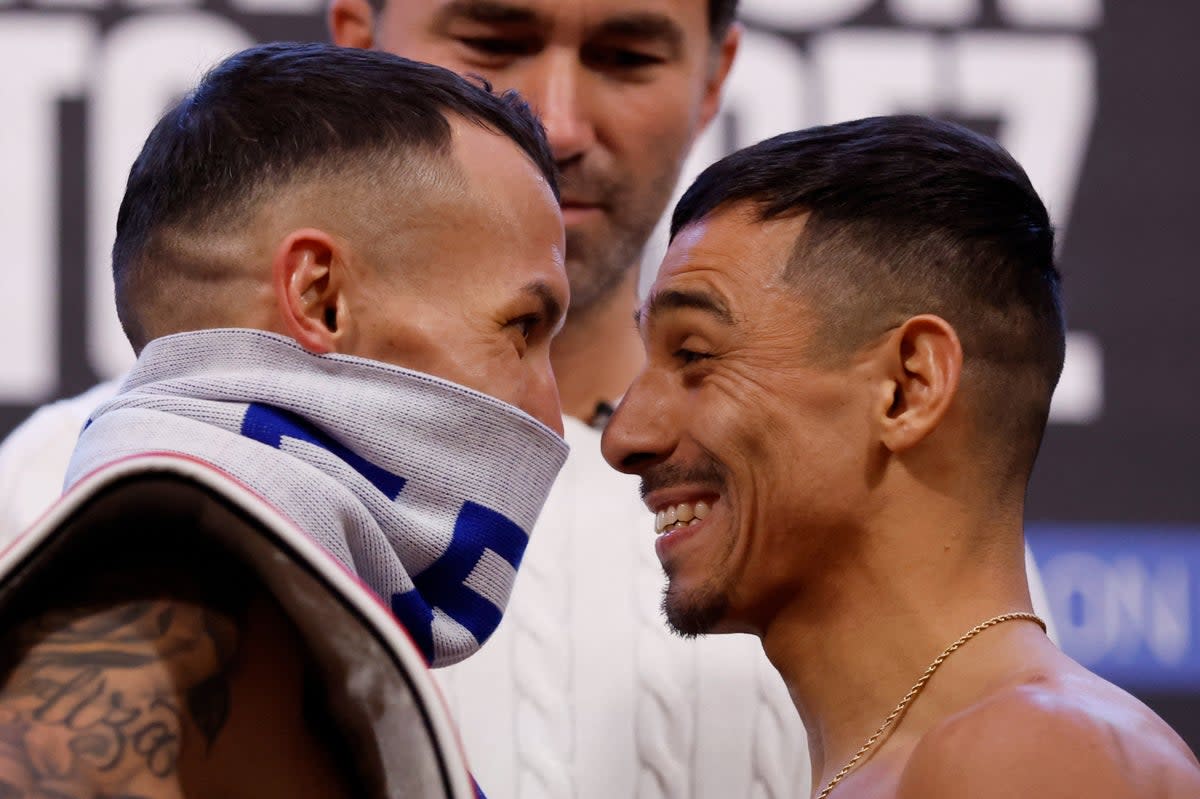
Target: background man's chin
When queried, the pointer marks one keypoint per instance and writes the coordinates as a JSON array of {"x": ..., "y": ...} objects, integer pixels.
[{"x": 597, "y": 264}]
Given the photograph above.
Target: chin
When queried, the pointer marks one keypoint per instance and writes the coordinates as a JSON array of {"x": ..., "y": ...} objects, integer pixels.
[{"x": 693, "y": 613}]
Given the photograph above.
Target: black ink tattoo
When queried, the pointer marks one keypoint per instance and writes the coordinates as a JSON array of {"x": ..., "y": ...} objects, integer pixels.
[
  {"x": 208, "y": 701},
  {"x": 95, "y": 700}
]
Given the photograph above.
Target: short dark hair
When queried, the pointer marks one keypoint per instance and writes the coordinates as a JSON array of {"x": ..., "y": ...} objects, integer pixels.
[
  {"x": 275, "y": 113},
  {"x": 911, "y": 215},
  {"x": 721, "y": 14}
]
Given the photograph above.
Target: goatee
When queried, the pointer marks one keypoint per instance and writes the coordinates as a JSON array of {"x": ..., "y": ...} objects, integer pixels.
[{"x": 694, "y": 615}]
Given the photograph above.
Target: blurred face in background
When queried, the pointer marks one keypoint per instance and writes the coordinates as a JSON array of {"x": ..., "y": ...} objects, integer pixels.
[{"x": 622, "y": 86}]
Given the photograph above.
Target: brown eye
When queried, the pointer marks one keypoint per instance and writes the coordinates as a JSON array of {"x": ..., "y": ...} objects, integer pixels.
[
  {"x": 619, "y": 59},
  {"x": 526, "y": 324},
  {"x": 686, "y": 356},
  {"x": 498, "y": 50}
]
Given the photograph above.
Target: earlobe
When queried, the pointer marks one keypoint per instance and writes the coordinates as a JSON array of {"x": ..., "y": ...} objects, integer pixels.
[
  {"x": 924, "y": 363},
  {"x": 725, "y": 56},
  {"x": 351, "y": 23},
  {"x": 307, "y": 284}
]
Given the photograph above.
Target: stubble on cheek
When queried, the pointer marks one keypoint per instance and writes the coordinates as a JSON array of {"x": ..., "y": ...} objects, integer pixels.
[{"x": 636, "y": 194}]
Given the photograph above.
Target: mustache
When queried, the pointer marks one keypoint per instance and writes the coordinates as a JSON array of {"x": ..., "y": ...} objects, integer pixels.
[
  {"x": 706, "y": 472},
  {"x": 579, "y": 183}
]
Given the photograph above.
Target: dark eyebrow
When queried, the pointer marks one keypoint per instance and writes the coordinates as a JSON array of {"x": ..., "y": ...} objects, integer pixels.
[
  {"x": 552, "y": 309},
  {"x": 646, "y": 26},
  {"x": 494, "y": 12},
  {"x": 676, "y": 299}
]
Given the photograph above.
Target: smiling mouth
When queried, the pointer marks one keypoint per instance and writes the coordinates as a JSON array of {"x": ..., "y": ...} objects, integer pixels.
[{"x": 683, "y": 514}]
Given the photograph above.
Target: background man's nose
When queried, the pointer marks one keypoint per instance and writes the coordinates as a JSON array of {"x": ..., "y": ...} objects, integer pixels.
[{"x": 555, "y": 89}]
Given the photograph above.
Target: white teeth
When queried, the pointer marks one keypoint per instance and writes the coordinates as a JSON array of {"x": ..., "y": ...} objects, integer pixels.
[{"x": 684, "y": 514}]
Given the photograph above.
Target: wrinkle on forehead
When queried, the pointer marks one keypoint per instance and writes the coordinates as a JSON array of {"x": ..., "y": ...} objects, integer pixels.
[
  {"x": 733, "y": 246},
  {"x": 742, "y": 262},
  {"x": 670, "y": 299}
]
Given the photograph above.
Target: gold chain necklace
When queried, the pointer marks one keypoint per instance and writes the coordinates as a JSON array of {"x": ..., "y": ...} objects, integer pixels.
[{"x": 916, "y": 689}]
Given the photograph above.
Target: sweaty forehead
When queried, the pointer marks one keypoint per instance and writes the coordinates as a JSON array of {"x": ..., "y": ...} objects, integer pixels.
[
  {"x": 487, "y": 215},
  {"x": 732, "y": 246},
  {"x": 497, "y": 173},
  {"x": 507, "y": 210},
  {"x": 728, "y": 264}
]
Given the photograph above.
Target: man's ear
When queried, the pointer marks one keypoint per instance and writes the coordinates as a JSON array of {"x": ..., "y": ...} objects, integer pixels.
[
  {"x": 307, "y": 277},
  {"x": 923, "y": 359},
  {"x": 351, "y": 23},
  {"x": 725, "y": 53}
]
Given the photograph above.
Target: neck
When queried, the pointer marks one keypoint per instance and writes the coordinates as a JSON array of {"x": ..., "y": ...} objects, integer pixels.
[
  {"x": 598, "y": 352},
  {"x": 849, "y": 655}
]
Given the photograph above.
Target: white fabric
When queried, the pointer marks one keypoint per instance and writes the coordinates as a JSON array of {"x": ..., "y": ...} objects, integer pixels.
[
  {"x": 581, "y": 692},
  {"x": 34, "y": 457},
  {"x": 420, "y": 486}
]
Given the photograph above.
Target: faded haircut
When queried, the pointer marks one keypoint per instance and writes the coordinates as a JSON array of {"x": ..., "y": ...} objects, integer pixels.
[
  {"x": 272, "y": 116},
  {"x": 909, "y": 215}
]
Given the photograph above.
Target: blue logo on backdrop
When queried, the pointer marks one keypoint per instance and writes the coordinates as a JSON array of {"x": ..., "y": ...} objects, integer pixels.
[
  {"x": 476, "y": 530},
  {"x": 1126, "y": 600}
]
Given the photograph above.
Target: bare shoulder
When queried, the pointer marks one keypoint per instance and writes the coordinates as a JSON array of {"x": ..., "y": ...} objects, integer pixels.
[
  {"x": 1069, "y": 736},
  {"x": 159, "y": 669},
  {"x": 98, "y": 700}
]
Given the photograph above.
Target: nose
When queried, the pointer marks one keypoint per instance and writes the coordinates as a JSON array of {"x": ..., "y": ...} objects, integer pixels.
[
  {"x": 643, "y": 431},
  {"x": 542, "y": 401},
  {"x": 556, "y": 87}
]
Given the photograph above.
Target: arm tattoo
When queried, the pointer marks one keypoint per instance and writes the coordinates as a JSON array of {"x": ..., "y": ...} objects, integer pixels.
[
  {"x": 99, "y": 702},
  {"x": 208, "y": 700}
]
